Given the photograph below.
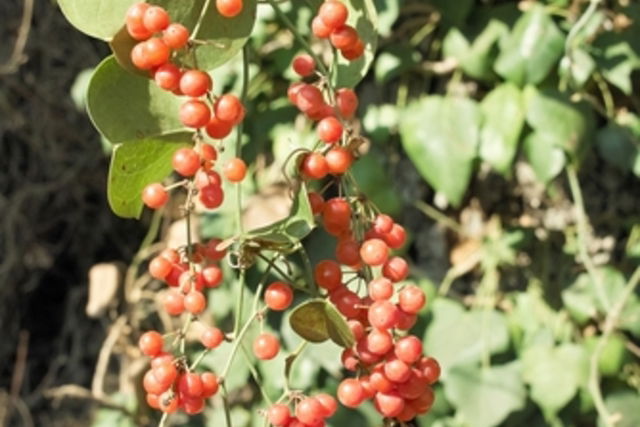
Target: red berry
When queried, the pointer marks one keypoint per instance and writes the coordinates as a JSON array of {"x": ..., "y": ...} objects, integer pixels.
[
  {"x": 151, "y": 384},
  {"x": 383, "y": 314},
  {"x": 314, "y": 166},
  {"x": 430, "y": 369},
  {"x": 194, "y": 114},
  {"x": 174, "y": 302},
  {"x": 211, "y": 196},
  {"x": 379, "y": 382},
  {"x": 212, "y": 252},
  {"x": 347, "y": 303},
  {"x": 328, "y": 275},
  {"x": 344, "y": 37},
  {"x": 348, "y": 252},
  {"x": 380, "y": 289},
  {"x": 153, "y": 400},
  {"x": 309, "y": 98},
  {"x": 166, "y": 374},
  {"x": 397, "y": 371},
  {"x": 406, "y": 321},
  {"x": 228, "y": 108},
  {"x": 229, "y": 8},
  {"x": 176, "y": 36},
  {"x": 339, "y": 160},
  {"x": 139, "y": 57},
  {"x": 329, "y": 404},
  {"x": 208, "y": 152},
  {"x": 379, "y": 341},
  {"x": 320, "y": 29},
  {"x": 190, "y": 384},
  {"x": 350, "y": 393},
  {"x": 333, "y": 13},
  {"x": 212, "y": 337},
  {"x": 155, "y": 19},
  {"x": 159, "y": 267},
  {"x": 354, "y": 52},
  {"x": 193, "y": 406},
  {"x": 167, "y": 76},
  {"x": 171, "y": 255},
  {"x": 317, "y": 202},
  {"x": 423, "y": 403},
  {"x": 212, "y": 276},
  {"x": 195, "y": 83},
  {"x": 210, "y": 384},
  {"x": 135, "y": 21},
  {"x": 186, "y": 161},
  {"x": 310, "y": 411},
  {"x": 279, "y": 415},
  {"x": 395, "y": 269},
  {"x": 151, "y": 343},
  {"x": 154, "y": 195},
  {"x": 389, "y": 404},
  {"x": 195, "y": 302},
  {"x": 396, "y": 237},
  {"x": 235, "y": 170},
  {"x": 304, "y": 65},
  {"x": 292, "y": 92},
  {"x": 356, "y": 328},
  {"x": 266, "y": 346},
  {"x": 278, "y": 296},
  {"x": 347, "y": 102},
  {"x": 408, "y": 349},
  {"x": 156, "y": 51},
  {"x": 218, "y": 129},
  {"x": 330, "y": 130},
  {"x": 168, "y": 403},
  {"x": 374, "y": 252},
  {"x": 412, "y": 299},
  {"x": 337, "y": 212}
]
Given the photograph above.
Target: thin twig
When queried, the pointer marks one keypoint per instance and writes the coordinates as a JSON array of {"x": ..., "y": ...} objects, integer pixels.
[{"x": 18, "y": 57}]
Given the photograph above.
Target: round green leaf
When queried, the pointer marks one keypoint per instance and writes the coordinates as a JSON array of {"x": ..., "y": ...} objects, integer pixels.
[
  {"x": 136, "y": 164},
  {"x": 101, "y": 19},
  {"x": 544, "y": 156},
  {"x": 126, "y": 107},
  {"x": 363, "y": 17},
  {"x": 441, "y": 136},
  {"x": 623, "y": 404},
  {"x": 309, "y": 320},
  {"x": 485, "y": 397}
]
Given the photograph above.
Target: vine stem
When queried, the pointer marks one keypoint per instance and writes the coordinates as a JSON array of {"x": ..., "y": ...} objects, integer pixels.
[
  {"x": 205, "y": 8},
  {"x": 285, "y": 19},
  {"x": 583, "y": 235},
  {"x": 237, "y": 340},
  {"x": 610, "y": 324}
]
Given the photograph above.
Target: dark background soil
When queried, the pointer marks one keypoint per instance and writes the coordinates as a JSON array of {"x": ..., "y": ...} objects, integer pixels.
[{"x": 54, "y": 219}]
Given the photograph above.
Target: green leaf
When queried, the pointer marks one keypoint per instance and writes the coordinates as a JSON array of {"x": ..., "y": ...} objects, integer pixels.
[
  {"x": 546, "y": 158},
  {"x": 485, "y": 397},
  {"x": 453, "y": 13},
  {"x": 394, "y": 62},
  {"x": 290, "y": 230},
  {"x": 532, "y": 49},
  {"x": 376, "y": 182},
  {"x": 441, "y": 136},
  {"x": 475, "y": 55},
  {"x": 126, "y": 107},
  {"x": 216, "y": 360},
  {"x": 134, "y": 165},
  {"x": 618, "y": 146},
  {"x": 564, "y": 123},
  {"x": 456, "y": 336},
  {"x": 318, "y": 320},
  {"x": 503, "y": 121},
  {"x": 554, "y": 374},
  {"x": 623, "y": 404},
  {"x": 388, "y": 11},
  {"x": 98, "y": 18},
  {"x": 363, "y": 17}
]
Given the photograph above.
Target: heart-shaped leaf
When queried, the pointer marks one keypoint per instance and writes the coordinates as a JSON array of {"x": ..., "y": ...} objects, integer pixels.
[{"x": 134, "y": 165}]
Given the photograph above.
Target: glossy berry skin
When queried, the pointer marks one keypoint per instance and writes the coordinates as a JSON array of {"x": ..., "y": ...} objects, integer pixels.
[
  {"x": 195, "y": 83},
  {"x": 195, "y": 302},
  {"x": 379, "y": 341},
  {"x": 212, "y": 337},
  {"x": 176, "y": 36},
  {"x": 383, "y": 314},
  {"x": 374, "y": 252},
  {"x": 154, "y": 196},
  {"x": 344, "y": 37},
  {"x": 229, "y": 8},
  {"x": 310, "y": 411},
  {"x": 320, "y": 29},
  {"x": 382, "y": 224},
  {"x": 210, "y": 384},
  {"x": 186, "y": 161},
  {"x": 309, "y": 98},
  {"x": 167, "y": 76},
  {"x": 266, "y": 346},
  {"x": 218, "y": 129},
  {"x": 354, "y": 52},
  {"x": 389, "y": 404},
  {"x": 397, "y": 371},
  {"x": 140, "y": 58},
  {"x": 408, "y": 349},
  {"x": 166, "y": 374},
  {"x": 278, "y": 296},
  {"x": 333, "y": 14},
  {"x": 304, "y": 65},
  {"x": 228, "y": 108},
  {"x": 134, "y": 21},
  {"x": 235, "y": 170},
  {"x": 350, "y": 393},
  {"x": 412, "y": 299},
  {"x": 337, "y": 212},
  {"x": 155, "y": 19},
  {"x": 317, "y": 202},
  {"x": 380, "y": 289},
  {"x": 156, "y": 51},
  {"x": 348, "y": 252},
  {"x": 212, "y": 276},
  {"x": 194, "y": 114},
  {"x": 314, "y": 166},
  {"x": 347, "y": 102},
  {"x": 395, "y": 269},
  {"x": 190, "y": 384},
  {"x": 174, "y": 302},
  {"x": 211, "y": 196},
  {"x": 330, "y": 130},
  {"x": 328, "y": 275},
  {"x": 329, "y": 404},
  {"x": 151, "y": 343},
  {"x": 430, "y": 369},
  {"x": 279, "y": 415},
  {"x": 159, "y": 267},
  {"x": 339, "y": 160}
]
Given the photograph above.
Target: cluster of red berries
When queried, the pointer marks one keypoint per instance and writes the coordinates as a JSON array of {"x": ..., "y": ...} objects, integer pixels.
[
  {"x": 310, "y": 411},
  {"x": 335, "y": 157},
  {"x": 331, "y": 23},
  {"x": 169, "y": 383}
]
